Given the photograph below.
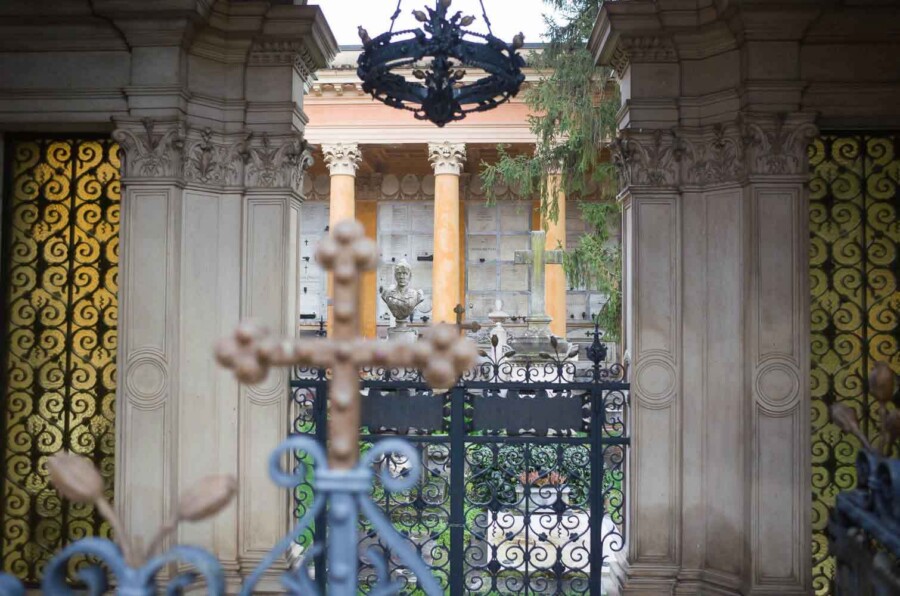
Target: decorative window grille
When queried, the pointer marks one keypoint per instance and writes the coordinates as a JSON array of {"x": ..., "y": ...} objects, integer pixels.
[
  {"x": 854, "y": 273},
  {"x": 60, "y": 316}
]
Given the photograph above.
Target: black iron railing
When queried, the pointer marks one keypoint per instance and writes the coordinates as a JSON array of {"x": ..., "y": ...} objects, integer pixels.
[{"x": 522, "y": 472}]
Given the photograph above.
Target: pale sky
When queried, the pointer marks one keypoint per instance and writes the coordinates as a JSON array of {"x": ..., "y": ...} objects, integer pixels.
[{"x": 508, "y": 17}]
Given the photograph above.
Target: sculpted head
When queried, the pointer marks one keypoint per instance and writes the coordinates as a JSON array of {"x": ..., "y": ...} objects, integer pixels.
[{"x": 402, "y": 274}]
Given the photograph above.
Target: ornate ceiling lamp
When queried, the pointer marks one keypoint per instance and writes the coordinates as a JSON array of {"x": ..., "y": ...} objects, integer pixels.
[{"x": 438, "y": 93}]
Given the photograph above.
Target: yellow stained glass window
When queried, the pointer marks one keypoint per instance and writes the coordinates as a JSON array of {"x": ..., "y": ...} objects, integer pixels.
[
  {"x": 855, "y": 232},
  {"x": 60, "y": 262}
]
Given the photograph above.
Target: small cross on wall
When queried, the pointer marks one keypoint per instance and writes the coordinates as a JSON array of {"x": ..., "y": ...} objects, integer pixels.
[{"x": 442, "y": 356}]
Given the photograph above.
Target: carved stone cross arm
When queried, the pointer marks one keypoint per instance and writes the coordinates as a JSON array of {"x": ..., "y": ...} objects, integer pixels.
[{"x": 252, "y": 351}]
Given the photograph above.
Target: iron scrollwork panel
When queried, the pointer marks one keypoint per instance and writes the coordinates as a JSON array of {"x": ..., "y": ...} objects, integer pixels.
[
  {"x": 854, "y": 232},
  {"x": 61, "y": 224}
]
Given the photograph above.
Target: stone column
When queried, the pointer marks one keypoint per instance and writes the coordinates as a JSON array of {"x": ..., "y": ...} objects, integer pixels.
[
  {"x": 209, "y": 237},
  {"x": 555, "y": 291},
  {"x": 447, "y": 160},
  {"x": 342, "y": 160},
  {"x": 716, "y": 311}
]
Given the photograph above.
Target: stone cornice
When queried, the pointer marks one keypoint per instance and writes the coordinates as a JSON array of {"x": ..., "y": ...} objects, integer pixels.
[
  {"x": 342, "y": 159},
  {"x": 171, "y": 151},
  {"x": 446, "y": 157},
  {"x": 754, "y": 145}
]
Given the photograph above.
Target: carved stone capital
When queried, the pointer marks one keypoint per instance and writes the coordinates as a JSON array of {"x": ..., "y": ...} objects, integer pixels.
[
  {"x": 278, "y": 163},
  {"x": 342, "y": 159},
  {"x": 152, "y": 150},
  {"x": 447, "y": 157},
  {"x": 215, "y": 160},
  {"x": 761, "y": 145},
  {"x": 776, "y": 145}
]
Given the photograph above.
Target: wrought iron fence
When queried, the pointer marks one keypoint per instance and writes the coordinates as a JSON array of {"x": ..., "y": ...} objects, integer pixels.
[{"x": 522, "y": 467}]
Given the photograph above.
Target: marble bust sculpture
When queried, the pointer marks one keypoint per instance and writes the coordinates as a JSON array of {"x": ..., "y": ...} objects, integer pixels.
[{"x": 402, "y": 300}]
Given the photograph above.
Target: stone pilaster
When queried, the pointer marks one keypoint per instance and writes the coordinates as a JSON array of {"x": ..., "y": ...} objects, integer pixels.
[
  {"x": 208, "y": 237},
  {"x": 447, "y": 160},
  {"x": 716, "y": 322}
]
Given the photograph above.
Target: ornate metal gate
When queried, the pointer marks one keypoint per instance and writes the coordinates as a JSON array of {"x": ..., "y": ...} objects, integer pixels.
[
  {"x": 854, "y": 275},
  {"x": 60, "y": 310},
  {"x": 523, "y": 471}
]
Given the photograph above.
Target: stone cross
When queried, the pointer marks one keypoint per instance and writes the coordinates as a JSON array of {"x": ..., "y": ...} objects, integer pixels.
[
  {"x": 537, "y": 257},
  {"x": 442, "y": 357}
]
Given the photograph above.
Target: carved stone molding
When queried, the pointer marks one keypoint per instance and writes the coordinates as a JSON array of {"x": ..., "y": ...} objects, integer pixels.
[
  {"x": 447, "y": 157},
  {"x": 642, "y": 49},
  {"x": 149, "y": 151},
  {"x": 719, "y": 154},
  {"x": 342, "y": 159}
]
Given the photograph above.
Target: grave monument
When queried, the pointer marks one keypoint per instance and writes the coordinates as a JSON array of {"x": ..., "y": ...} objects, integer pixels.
[{"x": 402, "y": 301}]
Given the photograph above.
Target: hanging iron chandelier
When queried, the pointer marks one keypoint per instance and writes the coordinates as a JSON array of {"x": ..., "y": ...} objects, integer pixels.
[{"x": 438, "y": 92}]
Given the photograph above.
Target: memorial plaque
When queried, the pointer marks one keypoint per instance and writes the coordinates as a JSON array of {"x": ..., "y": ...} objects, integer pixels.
[
  {"x": 421, "y": 216},
  {"x": 394, "y": 247},
  {"x": 515, "y": 216},
  {"x": 510, "y": 244},
  {"x": 313, "y": 218},
  {"x": 576, "y": 306},
  {"x": 422, "y": 248},
  {"x": 479, "y": 306},
  {"x": 482, "y": 277},
  {"x": 482, "y": 248},
  {"x": 421, "y": 276},
  {"x": 513, "y": 278},
  {"x": 481, "y": 218}
]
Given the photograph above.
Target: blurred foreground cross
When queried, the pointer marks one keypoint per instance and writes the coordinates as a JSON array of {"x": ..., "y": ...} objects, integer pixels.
[{"x": 441, "y": 357}]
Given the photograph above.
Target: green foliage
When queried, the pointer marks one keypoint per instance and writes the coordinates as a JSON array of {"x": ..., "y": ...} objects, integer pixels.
[{"x": 574, "y": 105}]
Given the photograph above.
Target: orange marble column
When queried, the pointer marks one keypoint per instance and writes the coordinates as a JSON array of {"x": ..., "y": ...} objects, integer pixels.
[
  {"x": 342, "y": 160},
  {"x": 447, "y": 160},
  {"x": 555, "y": 276},
  {"x": 367, "y": 214}
]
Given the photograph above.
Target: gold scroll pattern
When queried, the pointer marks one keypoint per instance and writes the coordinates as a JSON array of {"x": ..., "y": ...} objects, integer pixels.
[
  {"x": 61, "y": 231},
  {"x": 855, "y": 231}
]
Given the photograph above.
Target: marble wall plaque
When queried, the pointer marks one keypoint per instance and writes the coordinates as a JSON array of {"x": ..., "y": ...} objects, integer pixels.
[
  {"x": 510, "y": 244},
  {"x": 576, "y": 306},
  {"x": 482, "y": 248},
  {"x": 482, "y": 277},
  {"x": 481, "y": 218},
  {"x": 479, "y": 306},
  {"x": 422, "y": 217},
  {"x": 513, "y": 278},
  {"x": 596, "y": 302},
  {"x": 515, "y": 216},
  {"x": 422, "y": 247},
  {"x": 421, "y": 276},
  {"x": 394, "y": 247},
  {"x": 313, "y": 218}
]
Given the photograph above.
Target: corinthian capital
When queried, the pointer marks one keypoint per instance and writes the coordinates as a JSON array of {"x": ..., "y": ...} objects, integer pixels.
[
  {"x": 342, "y": 158},
  {"x": 446, "y": 157}
]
